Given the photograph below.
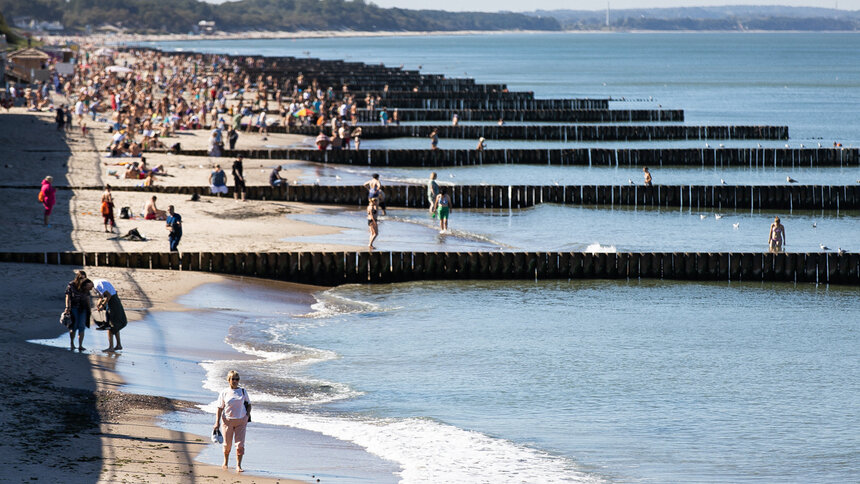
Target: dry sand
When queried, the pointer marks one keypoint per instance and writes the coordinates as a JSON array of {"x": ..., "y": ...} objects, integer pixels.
[{"x": 69, "y": 421}]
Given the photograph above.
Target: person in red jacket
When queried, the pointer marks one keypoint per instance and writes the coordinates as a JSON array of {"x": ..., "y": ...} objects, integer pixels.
[{"x": 48, "y": 196}]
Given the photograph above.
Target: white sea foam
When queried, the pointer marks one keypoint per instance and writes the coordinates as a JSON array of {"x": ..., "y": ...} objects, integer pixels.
[
  {"x": 330, "y": 304},
  {"x": 596, "y": 248},
  {"x": 273, "y": 364},
  {"x": 432, "y": 452}
]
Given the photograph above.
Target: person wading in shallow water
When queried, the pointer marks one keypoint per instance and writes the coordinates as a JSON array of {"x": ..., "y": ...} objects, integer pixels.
[{"x": 372, "y": 220}]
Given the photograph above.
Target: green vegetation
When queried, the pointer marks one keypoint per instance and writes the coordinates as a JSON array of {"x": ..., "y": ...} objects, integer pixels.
[
  {"x": 180, "y": 16},
  {"x": 11, "y": 37}
]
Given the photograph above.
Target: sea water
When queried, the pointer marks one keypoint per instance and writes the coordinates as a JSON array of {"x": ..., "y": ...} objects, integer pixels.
[
  {"x": 567, "y": 381},
  {"x": 588, "y": 381}
]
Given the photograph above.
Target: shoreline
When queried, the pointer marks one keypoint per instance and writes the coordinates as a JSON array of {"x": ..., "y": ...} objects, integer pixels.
[{"x": 123, "y": 39}]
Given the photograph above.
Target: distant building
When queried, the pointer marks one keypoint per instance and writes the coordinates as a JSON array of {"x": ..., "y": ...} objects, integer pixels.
[
  {"x": 33, "y": 24},
  {"x": 206, "y": 26}
]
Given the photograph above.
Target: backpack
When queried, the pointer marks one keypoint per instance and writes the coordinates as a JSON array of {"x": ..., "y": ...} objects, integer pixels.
[{"x": 125, "y": 212}]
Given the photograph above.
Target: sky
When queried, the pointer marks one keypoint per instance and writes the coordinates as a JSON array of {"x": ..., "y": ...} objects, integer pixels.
[{"x": 531, "y": 5}]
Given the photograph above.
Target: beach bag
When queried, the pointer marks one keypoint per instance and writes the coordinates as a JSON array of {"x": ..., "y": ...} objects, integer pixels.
[
  {"x": 125, "y": 212},
  {"x": 42, "y": 196},
  {"x": 247, "y": 406},
  {"x": 66, "y": 319}
]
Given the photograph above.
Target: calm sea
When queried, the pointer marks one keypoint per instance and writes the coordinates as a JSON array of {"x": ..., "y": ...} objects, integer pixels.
[{"x": 586, "y": 381}]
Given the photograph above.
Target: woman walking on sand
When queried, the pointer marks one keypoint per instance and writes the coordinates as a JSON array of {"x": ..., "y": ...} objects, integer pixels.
[
  {"x": 372, "y": 221},
  {"x": 48, "y": 196},
  {"x": 233, "y": 415},
  {"x": 78, "y": 307}
]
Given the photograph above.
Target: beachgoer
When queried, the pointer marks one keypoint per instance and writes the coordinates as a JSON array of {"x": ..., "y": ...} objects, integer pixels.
[
  {"x": 432, "y": 190},
  {"x": 356, "y": 135},
  {"x": 275, "y": 178},
  {"x": 232, "y": 137},
  {"x": 151, "y": 212},
  {"x": 78, "y": 307},
  {"x": 48, "y": 196},
  {"x": 238, "y": 179},
  {"x": 61, "y": 118},
  {"x": 215, "y": 143},
  {"x": 233, "y": 417},
  {"x": 218, "y": 181},
  {"x": 442, "y": 206},
  {"x": 372, "y": 221},
  {"x": 115, "y": 318},
  {"x": 776, "y": 238},
  {"x": 501, "y": 122},
  {"x": 647, "y": 175},
  {"x": 374, "y": 190},
  {"x": 107, "y": 209},
  {"x": 455, "y": 120},
  {"x": 174, "y": 228},
  {"x": 434, "y": 140},
  {"x": 481, "y": 144},
  {"x": 322, "y": 141}
]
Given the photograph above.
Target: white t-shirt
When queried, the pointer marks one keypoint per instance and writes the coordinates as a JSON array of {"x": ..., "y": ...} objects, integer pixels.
[
  {"x": 103, "y": 286},
  {"x": 233, "y": 402}
]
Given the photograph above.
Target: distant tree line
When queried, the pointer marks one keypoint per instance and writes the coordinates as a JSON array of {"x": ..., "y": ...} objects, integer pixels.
[
  {"x": 180, "y": 16},
  {"x": 728, "y": 23}
]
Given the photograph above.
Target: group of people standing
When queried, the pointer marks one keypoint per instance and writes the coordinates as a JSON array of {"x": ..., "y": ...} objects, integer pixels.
[{"x": 78, "y": 310}]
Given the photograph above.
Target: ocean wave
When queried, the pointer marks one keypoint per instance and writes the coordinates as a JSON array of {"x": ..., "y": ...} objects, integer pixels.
[
  {"x": 273, "y": 369},
  {"x": 331, "y": 304},
  {"x": 597, "y": 248},
  {"x": 431, "y": 223},
  {"x": 430, "y": 452}
]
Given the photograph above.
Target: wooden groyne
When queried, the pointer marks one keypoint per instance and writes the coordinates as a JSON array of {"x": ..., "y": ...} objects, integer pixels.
[
  {"x": 607, "y": 157},
  {"x": 541, "y": 115},
  {"x": 335, "y": 268},
  {"x": 754, "y": 197},
  {"x": 568, "y": 132}
]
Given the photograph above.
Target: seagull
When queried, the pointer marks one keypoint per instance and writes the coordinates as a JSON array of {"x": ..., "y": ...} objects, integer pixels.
[
  {"x": 717, "y": 216},
  {"x": 722, "y": 145},
  {"x": 337, "y": 177},
  {"x": 819, "y": 145},
  {"x": 451, "y": 175},
  {"x": 736, "y": 225},
  {"x": 556, "y": 183},
  {"x": 759, "y": 145},
  {"x": 702, "y": 217},
  {"x": 823, "y": 247},
  {"x": 630, "y": 181},
  {"x": 814, "y": 225},
  {"x": 722, "y": 182},
  {"x": 840, "y": 251},
  {"x": 786, "y": 145},
  {"x": 790, "y": 179},
  {"x": 707, "y": 145}
]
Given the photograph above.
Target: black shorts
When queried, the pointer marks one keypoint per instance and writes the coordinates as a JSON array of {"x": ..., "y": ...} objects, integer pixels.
[{"x": 238, "y": 185}]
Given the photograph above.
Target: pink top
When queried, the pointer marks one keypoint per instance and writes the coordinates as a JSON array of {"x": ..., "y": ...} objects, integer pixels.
[{"x": 48, "y": 191}]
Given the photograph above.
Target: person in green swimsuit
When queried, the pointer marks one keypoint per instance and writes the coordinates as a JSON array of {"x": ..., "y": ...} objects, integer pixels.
[{"x": 442, "y": 207}]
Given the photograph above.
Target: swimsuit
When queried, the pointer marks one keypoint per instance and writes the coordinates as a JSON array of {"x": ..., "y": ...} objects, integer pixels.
[{"x": 372, "y": 218}]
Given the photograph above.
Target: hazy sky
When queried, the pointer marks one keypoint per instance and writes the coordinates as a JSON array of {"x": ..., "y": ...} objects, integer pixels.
[{"x": 529, "y": 5}]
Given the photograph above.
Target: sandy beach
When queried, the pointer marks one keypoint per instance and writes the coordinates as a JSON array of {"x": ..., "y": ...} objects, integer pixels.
[{"x": 96, "y": 432}]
